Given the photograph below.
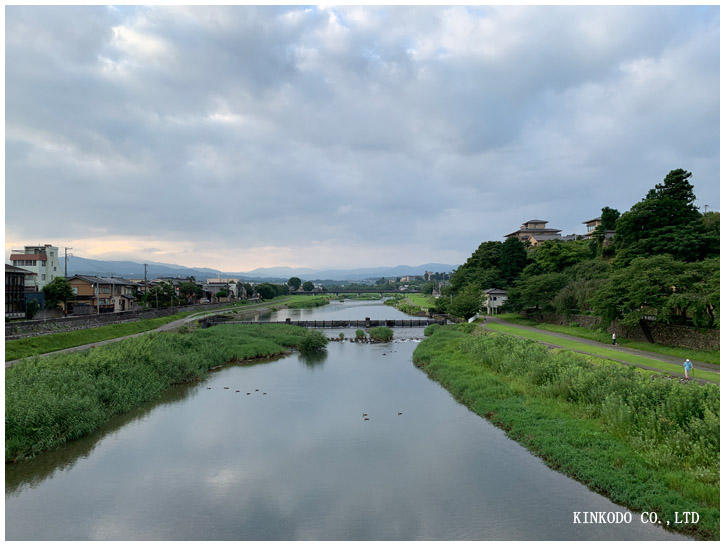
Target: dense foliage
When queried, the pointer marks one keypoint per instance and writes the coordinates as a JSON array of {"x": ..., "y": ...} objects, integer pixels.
[
  {"x": 57, "y": 291},
  {"x": 381, "y": 333},
  {"x": 646, "y": 442},
  {"x": 313, "y": 341},
  {"x": 51, "y": 400},
  {"x": 662, "y": 264}
]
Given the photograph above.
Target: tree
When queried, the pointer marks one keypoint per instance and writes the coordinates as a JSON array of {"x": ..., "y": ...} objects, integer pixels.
[
  {"x": 31, "y": 309},
  {"x": 428, "y": 287},
  {"x": 609, "y": 218},
  {"x": 223, "y": 293},
  {"x": 662, "y": 287},
  {"x": 512, "y": 260},
  {"x": 308, "y": 286},
  {"x": 666, "y": 221},
  {"x": 190, "y": 290},
  {"x": 294, "y": 283},
  {"x": 537, "y": 291},
  {"x": 467, "y": 302},
  {"x": 56, "y": 291}
]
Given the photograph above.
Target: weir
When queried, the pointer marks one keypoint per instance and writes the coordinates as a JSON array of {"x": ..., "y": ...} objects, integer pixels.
[{"x": 346, "y": 323}]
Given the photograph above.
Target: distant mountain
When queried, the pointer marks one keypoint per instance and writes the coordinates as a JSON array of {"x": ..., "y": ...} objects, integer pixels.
[{"x": 135, "y": 270}]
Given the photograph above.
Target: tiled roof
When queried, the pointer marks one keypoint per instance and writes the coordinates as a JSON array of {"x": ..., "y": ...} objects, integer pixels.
[
  {"x": 597, "y": 219},
  {"x": 41, "y": 257}
]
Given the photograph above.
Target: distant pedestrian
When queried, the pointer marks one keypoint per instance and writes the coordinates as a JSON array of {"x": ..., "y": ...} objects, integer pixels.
[
  {"x": 614, "y": 339},
  {"x": 688, "y": 367}
]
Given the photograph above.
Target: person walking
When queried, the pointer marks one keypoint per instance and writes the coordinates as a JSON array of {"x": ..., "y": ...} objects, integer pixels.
[
  {"x": 688, "y": 367},
  {"x": 614, "y": 338}
]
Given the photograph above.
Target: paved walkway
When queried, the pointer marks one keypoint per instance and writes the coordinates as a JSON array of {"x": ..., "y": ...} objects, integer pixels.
[
  {"x": 164, "y": 328},
  {"x": 697, "y": 365}
]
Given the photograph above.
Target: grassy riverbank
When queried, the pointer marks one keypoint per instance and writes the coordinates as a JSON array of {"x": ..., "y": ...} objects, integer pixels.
[
  {"x": 51, "y": 400},
  {"x": 47, "y": 343},
  {"x": 647, "y": 443},
  {"x": 712, "y": 357},
  {"x": 412, "y": 304},
  {"x": 307, "y": 302},
  {"x": 604, "y": 352}
]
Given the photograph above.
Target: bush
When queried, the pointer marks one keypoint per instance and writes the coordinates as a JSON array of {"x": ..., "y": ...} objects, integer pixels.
[
  {"x": 430, "y": 330},
  {"x": 381, "y": 333},
  {"x": 360, "y": 334},
  {"x": 313, "y": 341},
  {"x": 342, "y": 335}
]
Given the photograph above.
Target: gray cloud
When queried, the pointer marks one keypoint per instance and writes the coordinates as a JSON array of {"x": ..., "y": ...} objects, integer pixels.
[{"x": 346, "y": 136}]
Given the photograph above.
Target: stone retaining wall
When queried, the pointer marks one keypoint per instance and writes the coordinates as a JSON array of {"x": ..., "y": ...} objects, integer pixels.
[
  {"x": 28, "y": 328},
  {"x": 674, "y": 335}
]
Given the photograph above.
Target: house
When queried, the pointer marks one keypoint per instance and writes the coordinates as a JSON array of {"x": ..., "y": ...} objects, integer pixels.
[
  {"x": 15, "y": 282},
  {"x": 41, "y": 260},
  {"x": 493, "y": 299},
  {"x": 535, "y": 232},
  {"x": 214, "y": 286},
  {"x": 94, "y": 294},
  {"x": 593, "y": 224}
]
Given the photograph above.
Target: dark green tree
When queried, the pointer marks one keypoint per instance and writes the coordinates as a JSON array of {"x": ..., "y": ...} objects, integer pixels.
[
  {"x": 512, "y": 260},
  {"x": 609, "y": 218},
  {"x": 467, "y": 302},
  {"x": 308, "y": 286},
  {"x": 57, "y": 291},
  {"x": 536, "y": 292},
  {"x": 294, "y": 283}
]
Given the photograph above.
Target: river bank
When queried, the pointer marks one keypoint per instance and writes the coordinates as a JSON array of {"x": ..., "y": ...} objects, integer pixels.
[
  {"x": 52, "y": 400},
  {"x": 647, "y": 443}
]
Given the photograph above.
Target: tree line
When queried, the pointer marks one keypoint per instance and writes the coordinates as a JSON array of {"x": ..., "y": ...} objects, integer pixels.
[{"x": 662, "y": 264}]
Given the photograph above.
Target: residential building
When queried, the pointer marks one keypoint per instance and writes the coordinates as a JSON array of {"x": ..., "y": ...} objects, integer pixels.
[
  {"x": 214, "y": 286},
  {"x": 41, "y": 260},
  {"x": 535, "y": 232},
  {"x": 15, "y": 291},
  {"x": 593, "y": 224},
  {"x": 493, "y": 299},
  {"x": 94, "y": 294}
]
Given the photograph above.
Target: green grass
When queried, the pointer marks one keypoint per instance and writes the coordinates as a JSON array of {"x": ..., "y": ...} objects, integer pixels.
[
  {"x": 29, "y": 346},
  {"x": 647, "y": 443},
  {"x": 21, "y": 348},
  {"x": 381, "y": 333},
  {"x": 52, "y": 400},
  {"x": 712, "y": 356},
  {"x": 600, "y": 351},
  {"x": 425, "y": 301},
  {"x": 306, "y": 302},
  {"x": 363, "y": 297}
]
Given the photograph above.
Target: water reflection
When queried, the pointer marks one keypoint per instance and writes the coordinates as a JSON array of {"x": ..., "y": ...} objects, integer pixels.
[{"x": 300, "y": 462}]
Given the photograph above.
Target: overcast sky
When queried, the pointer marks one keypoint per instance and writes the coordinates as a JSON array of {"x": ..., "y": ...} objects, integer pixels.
[{"x": 245, "y": 137}]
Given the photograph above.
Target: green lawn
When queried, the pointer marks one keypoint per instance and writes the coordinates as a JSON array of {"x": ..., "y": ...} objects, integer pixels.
[
  {"x": 711, "y": 357},
  {"x": 425, "y": 301},
  {"x": 29, "y": 346},
  {"x": 600, "y": 351}
]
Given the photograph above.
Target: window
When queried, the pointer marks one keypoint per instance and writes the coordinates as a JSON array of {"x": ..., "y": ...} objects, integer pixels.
[
  {"x": 42, "y": 277},
  {"x": 75, "y": 290}
]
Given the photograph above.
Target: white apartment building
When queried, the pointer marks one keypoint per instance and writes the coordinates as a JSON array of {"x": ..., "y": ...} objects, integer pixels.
[{"x": 41, "y": 260}]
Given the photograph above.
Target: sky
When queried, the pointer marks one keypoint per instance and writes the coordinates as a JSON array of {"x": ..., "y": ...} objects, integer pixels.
[{"x": 241, "y": 137}]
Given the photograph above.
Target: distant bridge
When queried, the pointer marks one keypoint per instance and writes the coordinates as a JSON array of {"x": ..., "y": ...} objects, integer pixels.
[
  {"x": 367, "y": 323},
  {"x": 358, "y": 291}
]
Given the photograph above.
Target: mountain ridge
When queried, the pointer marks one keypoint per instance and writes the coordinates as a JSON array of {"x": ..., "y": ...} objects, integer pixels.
[{"x": 126, "y": 268}]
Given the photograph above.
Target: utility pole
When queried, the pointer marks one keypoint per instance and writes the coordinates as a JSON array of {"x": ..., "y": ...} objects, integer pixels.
[
  {"x": 67, "y": 248},
  {"x": 145, "y": 284},
  {"x": 65, "y": 263},
  {"x": 705, "y": 207}
]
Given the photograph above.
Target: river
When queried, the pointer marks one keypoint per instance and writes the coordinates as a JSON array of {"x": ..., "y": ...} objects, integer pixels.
[{"x": 300, "y": 462}]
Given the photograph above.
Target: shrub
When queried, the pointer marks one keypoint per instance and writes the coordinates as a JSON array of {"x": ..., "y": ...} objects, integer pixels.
[
  {"x": 381, "y": 333},
  {"x": 342, "y": 335},
  {"x": 430, "y": 330},
  {"x": 313, "y": 341},
  {"x": 360, "y": 334}
]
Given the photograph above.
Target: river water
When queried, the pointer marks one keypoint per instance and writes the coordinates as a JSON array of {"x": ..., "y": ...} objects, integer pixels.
[{"x": 300, "y": 462}]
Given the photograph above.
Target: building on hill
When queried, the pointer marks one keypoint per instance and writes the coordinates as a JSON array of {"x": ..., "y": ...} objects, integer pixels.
[
  {"x": 94, "y": 294},
  {"x": 493, "y": 298},
  {"x": 593, "y": 224},
  {"x": 535, "y": 232},
  {"x": 41, "y": 260}
]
